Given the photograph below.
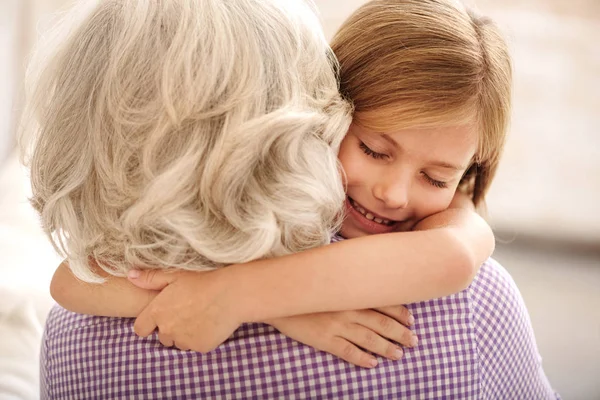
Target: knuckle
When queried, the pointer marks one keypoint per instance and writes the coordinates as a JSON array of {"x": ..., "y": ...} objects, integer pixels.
[
  {"x": 154, "y": 313},
  {"x": 370, "y": 339},
  {"x": 384, "y": 322},
  {"x": 341, "y": 317},
  {"x": 348, "y": 351}
]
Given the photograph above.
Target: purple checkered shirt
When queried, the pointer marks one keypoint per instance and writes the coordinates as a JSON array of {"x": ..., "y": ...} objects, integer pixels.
[{"x": 477, "y": 344}]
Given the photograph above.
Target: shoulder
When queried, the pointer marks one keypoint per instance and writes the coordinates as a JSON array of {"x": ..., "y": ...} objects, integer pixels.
[
  {"x": 61, "y": 322},
  {"x": 498, "y": 309},
  {"x": 499, "y": 312},
  {"x": 510, "y": 362},
  {"x": 494, "y": 289}
]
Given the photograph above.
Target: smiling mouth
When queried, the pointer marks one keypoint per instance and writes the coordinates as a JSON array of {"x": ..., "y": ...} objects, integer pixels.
[{"x": 369, "y": 215}]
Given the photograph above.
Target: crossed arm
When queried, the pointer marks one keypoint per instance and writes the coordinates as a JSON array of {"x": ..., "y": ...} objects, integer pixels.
[{"x": 438, "y": 259}]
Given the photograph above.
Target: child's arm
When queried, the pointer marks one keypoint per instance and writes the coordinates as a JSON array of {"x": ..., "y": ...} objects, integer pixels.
[
  {"x": 344, "y": 334},
  {"x": 375, "y": 271},
  {"x": 116, "y": 297},
  {"x": 353, "y": 274},
  {"x": 424, "y": 264},
  {"x": 372, "y": 271}
]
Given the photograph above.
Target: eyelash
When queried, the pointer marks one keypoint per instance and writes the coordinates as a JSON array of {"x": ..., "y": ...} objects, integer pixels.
[
  {"x": 371, "y": 153},
  {"x": 434, "y": 182},
  {"x": 379, "y": 156}
]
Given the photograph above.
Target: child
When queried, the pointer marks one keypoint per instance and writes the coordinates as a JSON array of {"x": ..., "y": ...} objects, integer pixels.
[{"x": 437, "y": 124}]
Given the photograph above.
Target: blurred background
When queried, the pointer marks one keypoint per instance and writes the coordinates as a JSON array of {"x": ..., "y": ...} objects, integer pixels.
[{"x": 543, "y": 205}]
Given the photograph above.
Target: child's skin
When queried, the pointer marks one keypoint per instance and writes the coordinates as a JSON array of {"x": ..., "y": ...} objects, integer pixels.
[{"x": 408, "y": 177}]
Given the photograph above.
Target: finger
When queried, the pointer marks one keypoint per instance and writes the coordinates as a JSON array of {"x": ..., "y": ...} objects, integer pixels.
[
  {"x": 373, "y": 342},
  {"x": 399, "y": 313},
  {"x": 347, "y": 351},
  {"x": 144, "y": 324},
  {"x": 387, "y": 327},
  {"x": 150, "y": 279},
  {"x": 165, "y": 340}
]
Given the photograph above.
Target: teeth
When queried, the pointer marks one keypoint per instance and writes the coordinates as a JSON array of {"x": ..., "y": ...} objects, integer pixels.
[{"x": 368, "y": 215}]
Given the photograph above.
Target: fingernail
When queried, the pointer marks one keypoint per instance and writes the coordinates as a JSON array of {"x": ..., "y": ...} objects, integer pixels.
[
  {"x": 411, "y": 319},
  {"x": 414, "y": 340},
  {"x": 398, "y": 353},
  {"x": 373, "y": 363},
  {"x": 134, "y": 274}
]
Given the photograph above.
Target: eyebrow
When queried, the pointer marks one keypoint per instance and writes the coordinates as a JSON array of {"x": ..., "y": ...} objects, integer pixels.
[
  {"x": 390, "y": 140},
  {"x": 441, "y": 164},
  {"x": 446, "y": 165}
]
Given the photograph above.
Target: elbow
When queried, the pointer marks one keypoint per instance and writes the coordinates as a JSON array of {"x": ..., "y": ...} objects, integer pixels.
[
  {"x": 487, "y": 245},
  {"x": 472, "y": 253},
  {"x": 59, "y": 287},
  {"x": 464, "y": 272},
  {"x": 485, "y": 242},
  {"x": 464, "y": 267}
]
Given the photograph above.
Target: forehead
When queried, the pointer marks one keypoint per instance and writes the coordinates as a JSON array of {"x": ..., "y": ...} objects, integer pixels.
[
  {"x": 454, "y": 144},
  {"x": 422, "y": 114},
  {"x": 400, "y": 117}
]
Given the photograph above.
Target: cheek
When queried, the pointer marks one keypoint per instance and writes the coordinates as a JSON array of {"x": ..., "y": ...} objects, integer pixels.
[
  {"x": 353, "y": 164},
  {"x": 432, "y": 202}
]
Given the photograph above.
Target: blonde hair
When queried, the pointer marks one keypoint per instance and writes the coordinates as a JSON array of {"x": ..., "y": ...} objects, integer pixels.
[
  {"x": 185, "y": 133},
  {"x": 407, "y": 63}
]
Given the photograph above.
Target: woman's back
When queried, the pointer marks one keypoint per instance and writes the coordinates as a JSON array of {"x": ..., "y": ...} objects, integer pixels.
[{"x": 476, "y": 344}]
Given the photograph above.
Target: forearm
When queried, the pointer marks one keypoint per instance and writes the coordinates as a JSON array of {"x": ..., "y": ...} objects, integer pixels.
[
  {"x": 343, "y": 277},
  {"x": 441, "y": 257},
  {"x": 476, "y": 238},
  {"x": 117, "y": 297}
]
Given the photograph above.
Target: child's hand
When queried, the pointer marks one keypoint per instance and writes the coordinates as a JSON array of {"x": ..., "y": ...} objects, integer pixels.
[
  {"x": 194, "y": 310},
  {"x": 344, "y": 334}
]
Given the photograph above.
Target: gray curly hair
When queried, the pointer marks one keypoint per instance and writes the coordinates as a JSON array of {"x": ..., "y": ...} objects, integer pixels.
[{"x": 185, "y": 133}]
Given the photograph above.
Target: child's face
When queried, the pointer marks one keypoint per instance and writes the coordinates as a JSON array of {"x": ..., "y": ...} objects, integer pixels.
[{"x": 398, "y": 178}]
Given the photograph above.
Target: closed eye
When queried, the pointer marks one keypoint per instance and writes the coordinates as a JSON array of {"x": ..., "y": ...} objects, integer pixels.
[
  {"x": 371, "y": 153},
  {"x": 434, "y": 182}
]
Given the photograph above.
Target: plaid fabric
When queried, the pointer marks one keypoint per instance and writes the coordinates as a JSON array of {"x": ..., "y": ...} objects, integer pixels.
[{"x": 477, "y": 344}]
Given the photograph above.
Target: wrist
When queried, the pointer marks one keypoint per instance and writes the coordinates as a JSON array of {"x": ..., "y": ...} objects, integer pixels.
[
  {"x": 257, "y": 290},
  {"x": 242, "y": 293}
]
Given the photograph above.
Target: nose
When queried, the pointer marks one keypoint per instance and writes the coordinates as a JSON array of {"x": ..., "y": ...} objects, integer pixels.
[{"x": 393, "y": 192}]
